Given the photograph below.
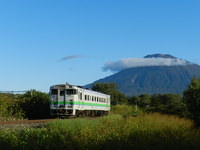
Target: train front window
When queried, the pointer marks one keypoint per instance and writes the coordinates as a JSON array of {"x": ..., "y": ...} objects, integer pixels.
[
  {"x": 62, "y": 93},
  {"x": 71, "y": 91},
  {"x": 54, "y": 92}
]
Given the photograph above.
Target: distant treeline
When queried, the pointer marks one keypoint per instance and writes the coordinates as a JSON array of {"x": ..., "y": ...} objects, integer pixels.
[
  {"x": 187, "y": 106},
  {"x": 35, "y": 104}
]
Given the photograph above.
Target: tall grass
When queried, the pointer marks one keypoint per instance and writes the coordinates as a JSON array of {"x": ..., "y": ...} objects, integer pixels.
[
  {"x": 126, "y": 110},
  {"x": 145, "y": 132}
]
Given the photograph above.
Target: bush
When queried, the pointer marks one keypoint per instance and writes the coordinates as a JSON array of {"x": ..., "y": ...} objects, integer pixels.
[
  {"x": 10, "y": 107},
  {"x": 35, "y": 104},
  {"x": 125, "y": 110}
]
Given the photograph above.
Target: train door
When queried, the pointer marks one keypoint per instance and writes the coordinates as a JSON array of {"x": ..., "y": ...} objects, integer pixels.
[
  {"x": 61, "y": 99},
  {"x": 71, "y": 98},
  {"x": 81, "y": 100}
]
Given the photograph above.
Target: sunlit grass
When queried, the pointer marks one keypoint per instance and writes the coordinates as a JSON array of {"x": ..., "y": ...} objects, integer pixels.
[
  {"x": 126, "y": 110},
  {"x": 147, "y": 131}
]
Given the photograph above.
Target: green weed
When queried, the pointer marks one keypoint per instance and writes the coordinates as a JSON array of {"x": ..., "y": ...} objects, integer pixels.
[{"x": 144, "y": 132}]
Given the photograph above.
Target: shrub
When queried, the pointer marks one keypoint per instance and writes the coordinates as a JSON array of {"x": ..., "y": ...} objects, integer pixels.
[
  {"x": 10, "y": 107},
  {"x": 125, "y": 109},
  {"x": 35, "y": 104}
]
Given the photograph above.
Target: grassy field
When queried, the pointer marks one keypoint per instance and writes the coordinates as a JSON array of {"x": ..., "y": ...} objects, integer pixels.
[
  {"x": 144, "y": 132},
  {"x": 125, "y": 110}
]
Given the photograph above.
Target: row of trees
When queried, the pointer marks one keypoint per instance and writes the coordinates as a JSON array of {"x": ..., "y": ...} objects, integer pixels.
[
  {"x": 186, "y": 106},
  {"x": 166, "y": 103}
]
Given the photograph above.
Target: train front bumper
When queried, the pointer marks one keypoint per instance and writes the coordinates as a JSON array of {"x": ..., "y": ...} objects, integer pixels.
[{"x": 61, "y": 112}]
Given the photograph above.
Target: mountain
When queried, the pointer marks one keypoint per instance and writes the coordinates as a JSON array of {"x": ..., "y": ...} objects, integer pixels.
[
  {"x": 154, "y": 79},
  {"x": 159, "y": 56}
]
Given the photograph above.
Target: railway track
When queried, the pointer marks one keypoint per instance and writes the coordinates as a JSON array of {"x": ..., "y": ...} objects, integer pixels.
[
  {"x": 31, "y": 123},
  {"x": 24, "y": 123}
]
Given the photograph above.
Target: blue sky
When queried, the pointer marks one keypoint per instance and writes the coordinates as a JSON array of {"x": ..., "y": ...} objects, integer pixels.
[{"x": 47, "y": 42}]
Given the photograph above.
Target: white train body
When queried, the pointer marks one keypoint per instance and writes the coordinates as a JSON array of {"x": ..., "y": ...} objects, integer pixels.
[{"x": 68, "y": 100}]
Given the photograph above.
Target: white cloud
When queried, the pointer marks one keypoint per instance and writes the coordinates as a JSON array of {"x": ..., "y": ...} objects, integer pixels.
[{"x": 125, "y": 63}]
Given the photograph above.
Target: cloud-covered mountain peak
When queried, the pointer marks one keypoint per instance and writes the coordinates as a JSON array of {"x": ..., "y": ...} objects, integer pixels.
[
  {"x": 149, "y": 60},
  {"x": 160, "y": 56}
]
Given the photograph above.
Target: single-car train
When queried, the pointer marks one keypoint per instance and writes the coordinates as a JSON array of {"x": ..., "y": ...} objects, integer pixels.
[{"x": 70, "y": 100}]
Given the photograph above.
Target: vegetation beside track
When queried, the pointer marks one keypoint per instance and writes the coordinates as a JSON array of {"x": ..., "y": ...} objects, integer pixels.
[{"x": 146, "y": 132}]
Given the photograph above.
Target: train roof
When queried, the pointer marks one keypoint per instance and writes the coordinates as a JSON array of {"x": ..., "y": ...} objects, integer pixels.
[
  {"x": 78, "y": 87},
  {"x": 91, "y": 91}
]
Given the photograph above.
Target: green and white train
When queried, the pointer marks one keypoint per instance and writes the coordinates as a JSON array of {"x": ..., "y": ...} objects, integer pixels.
[{"x": 70, "y": 100}]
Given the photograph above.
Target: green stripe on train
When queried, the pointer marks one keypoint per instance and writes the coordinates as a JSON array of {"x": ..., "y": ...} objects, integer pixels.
[{"x": 79, "y": 103}]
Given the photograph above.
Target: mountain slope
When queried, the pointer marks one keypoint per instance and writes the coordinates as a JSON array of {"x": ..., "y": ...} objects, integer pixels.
[{"x": 154, "y": 79}]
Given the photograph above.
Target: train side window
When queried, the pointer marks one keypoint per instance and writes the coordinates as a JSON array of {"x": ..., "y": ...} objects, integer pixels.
[
  {"x": 62, "y": 93},
  {"x": 81, "y": 95},
  {"x": 71, "y": 91}
]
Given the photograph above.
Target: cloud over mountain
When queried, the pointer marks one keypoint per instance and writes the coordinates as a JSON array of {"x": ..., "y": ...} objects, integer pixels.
[{"x": 125, "y": 63}]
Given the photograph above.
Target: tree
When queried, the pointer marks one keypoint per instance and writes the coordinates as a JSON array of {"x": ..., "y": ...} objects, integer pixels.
[
  {"x": 144, "y": 100},
  {"x": 35, "y": 104},
  {"x": 133, "y": 100},
  {"x": 9, "y": 107},
  {"x": 174, "y": 105},
  {"x": 110, "y": 88},
  {"x": 168, "y": 104},
  {"x": 192, "y": 99}
]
